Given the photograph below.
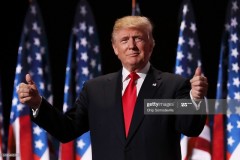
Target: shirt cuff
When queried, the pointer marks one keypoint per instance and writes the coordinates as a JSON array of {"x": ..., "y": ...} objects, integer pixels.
[
  {"x": 35, "y": 111},
  {"x": 195, "y": 103}
]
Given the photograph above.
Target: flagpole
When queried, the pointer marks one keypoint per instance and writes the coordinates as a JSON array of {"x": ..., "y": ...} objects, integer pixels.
[
  {"x": 133, "y": 7},
  {"x": 133, "y": 3}
]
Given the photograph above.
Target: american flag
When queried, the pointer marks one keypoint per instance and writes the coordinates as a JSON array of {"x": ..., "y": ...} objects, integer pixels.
[
  {"x": 84, "y": 63},
  {"x": 27, "y": 140},
  {"x": 1, "y": 123},
  {"x": 228, "y": 88},
  {"x": 187, "y": 60}
]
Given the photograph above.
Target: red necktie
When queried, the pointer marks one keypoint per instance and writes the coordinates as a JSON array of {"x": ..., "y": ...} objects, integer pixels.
[{"x": 129, "y": 99}]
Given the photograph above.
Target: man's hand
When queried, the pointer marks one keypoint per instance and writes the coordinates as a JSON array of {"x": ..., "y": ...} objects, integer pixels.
[
  {"x": 28, "y": 93},
  {"x": 199, "y": 85}
]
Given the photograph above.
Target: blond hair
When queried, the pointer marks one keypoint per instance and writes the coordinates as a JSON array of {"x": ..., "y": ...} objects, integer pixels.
[{"x": 140, "y": 22}]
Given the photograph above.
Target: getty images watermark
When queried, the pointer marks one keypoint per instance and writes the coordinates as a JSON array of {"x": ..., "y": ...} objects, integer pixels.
[
  {"x": 188, "y": 106},
  {"x": 9, "y": 154}
]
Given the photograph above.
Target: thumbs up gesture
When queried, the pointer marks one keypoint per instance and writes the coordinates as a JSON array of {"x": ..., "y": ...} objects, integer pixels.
[
  {"x": 28, "y": 93},
  {"x": 199, "y": 85}
]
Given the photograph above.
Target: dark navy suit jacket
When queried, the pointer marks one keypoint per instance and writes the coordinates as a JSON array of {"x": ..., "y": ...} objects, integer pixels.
[{"x": 98, "y": 108}]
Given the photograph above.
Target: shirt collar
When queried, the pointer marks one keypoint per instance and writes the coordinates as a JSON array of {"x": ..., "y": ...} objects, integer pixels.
[{"x": 142, "y": 73}]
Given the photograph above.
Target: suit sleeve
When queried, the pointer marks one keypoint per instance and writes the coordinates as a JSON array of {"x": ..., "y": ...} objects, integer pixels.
[
  {"x": 189, "y": 124},
  {"x": 68, "y": 126}
]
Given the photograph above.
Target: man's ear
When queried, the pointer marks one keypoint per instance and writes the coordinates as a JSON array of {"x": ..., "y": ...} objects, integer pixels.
[{"x": 115, "y": 49}]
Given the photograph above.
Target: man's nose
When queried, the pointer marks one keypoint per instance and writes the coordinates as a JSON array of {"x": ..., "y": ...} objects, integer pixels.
[{"x": 132, "y": 43}]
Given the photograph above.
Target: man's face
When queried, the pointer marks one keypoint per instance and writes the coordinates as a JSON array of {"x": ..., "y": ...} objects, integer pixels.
[{"x": 133, "y": 47}]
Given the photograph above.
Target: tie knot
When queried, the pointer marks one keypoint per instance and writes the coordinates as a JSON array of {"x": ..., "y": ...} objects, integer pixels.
[{"x": 134, "y": 76}]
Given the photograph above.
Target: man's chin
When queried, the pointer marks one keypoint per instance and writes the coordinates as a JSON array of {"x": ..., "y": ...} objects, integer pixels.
[{"x": 136, "y": 66}]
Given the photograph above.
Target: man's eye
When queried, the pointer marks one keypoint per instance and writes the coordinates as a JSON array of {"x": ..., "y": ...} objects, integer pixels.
[
  {"x": 138, "y": 39},
  {"x": 124, "y": 41}
]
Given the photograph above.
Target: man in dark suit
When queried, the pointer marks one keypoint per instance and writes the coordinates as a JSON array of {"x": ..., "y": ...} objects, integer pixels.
[{"x": 118, "y": 127}]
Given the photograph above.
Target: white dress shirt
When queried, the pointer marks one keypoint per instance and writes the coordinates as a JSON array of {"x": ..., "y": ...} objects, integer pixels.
[{"x": 142, "y": 74}]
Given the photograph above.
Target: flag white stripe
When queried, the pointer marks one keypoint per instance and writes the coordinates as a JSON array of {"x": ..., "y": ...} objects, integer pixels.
[
  {"x": 16, "y": 132},
  {"x": 206, "y": 133},
  {"x": 236, "y": 153},
  {"x": 200, "y": 154},
  {"x": 184, "y": 145},
  {"x": 88, "y": 154},
  {"x": 45, "y": 155}
]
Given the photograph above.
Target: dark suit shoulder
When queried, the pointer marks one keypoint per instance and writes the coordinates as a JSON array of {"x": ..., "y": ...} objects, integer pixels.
[
  {"x": 166, "y": 76},
  {"x": 172, "y": 82},
  {"x": 171, "y": 76},
  {"x": 103, "y": 78}
]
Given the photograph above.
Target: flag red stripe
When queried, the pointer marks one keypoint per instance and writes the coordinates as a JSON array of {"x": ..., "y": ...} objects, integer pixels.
[
  {"x": 67, "y": 150},
  {"x": 199, "y": 143},
  {"x": 218, "y": 138},
  {"x": 78, "y": 157},
  {"x": 228, "y": 156},
  {"x": 36, "y": 157},
  {"x": 11, "y": 142},
  {"x": 26, "y": 149}
]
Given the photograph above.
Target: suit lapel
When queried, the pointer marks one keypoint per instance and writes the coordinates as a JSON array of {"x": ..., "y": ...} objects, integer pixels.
[
  {"x": 114, "y": 83},
  {"x": 147, "y": 91}
]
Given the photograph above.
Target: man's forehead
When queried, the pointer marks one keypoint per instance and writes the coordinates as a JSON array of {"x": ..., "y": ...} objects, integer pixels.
[{"x": 130, "y": 32}]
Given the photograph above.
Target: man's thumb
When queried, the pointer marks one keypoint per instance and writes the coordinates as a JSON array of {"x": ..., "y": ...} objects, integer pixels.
[
  {"x": 29, "y": 79},
  {"x": 198, "y": 71}
]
